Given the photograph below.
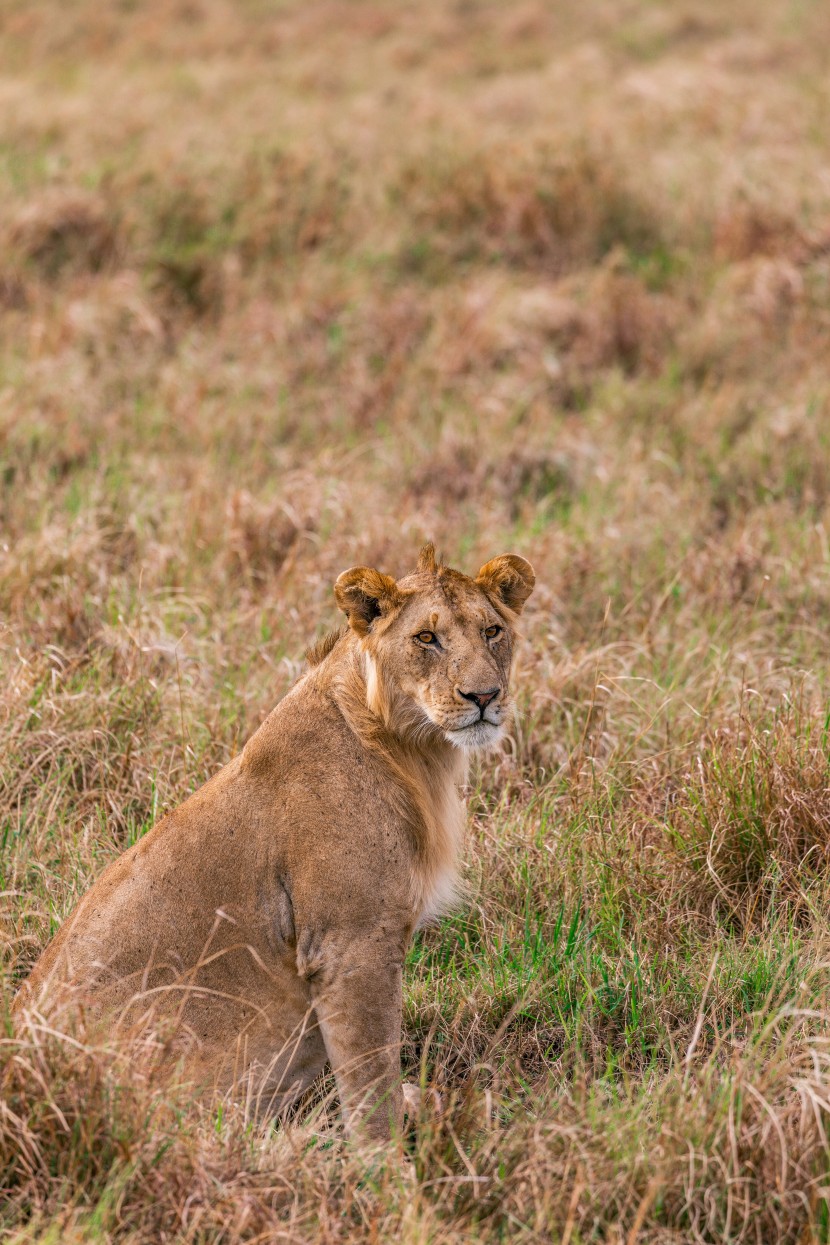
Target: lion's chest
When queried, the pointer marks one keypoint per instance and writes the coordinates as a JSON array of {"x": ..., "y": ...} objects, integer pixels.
[{"x": 438, "y": 874}]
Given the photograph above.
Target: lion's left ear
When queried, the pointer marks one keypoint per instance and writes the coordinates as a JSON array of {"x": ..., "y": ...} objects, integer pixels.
[
  {"x": 364, "y": 594},
  {"x": 509, "y": 578}
]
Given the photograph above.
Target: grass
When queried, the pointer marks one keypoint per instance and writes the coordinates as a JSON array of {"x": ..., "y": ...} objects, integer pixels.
[{"x": 286, "y": 288}]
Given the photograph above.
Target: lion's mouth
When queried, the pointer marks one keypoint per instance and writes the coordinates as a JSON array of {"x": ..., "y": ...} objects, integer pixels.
[
  {"x": 480, "y": 733},
  {"x": 479, "y": 721}
]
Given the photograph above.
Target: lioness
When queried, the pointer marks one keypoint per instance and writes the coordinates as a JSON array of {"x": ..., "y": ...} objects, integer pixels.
[{"x": 271, "y": 912}]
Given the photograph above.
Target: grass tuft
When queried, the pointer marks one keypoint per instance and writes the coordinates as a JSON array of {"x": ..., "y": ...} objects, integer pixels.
[{"x": 290, "y": 288}]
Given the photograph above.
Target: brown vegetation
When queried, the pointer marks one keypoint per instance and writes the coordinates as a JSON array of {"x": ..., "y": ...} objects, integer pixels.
[{"x": 288, "y": 288}]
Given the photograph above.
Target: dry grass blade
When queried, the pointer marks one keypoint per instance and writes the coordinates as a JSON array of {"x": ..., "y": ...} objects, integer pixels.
[{"x": 286, "y": 289}]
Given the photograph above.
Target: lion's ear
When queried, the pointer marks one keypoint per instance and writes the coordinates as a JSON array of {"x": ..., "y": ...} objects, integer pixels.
[
  {"x": 364, "y": 594},
  {"x": 508, "y": 578}
]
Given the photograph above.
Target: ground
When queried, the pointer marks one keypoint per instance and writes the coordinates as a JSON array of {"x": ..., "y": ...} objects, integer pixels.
[{"x": 287, "y": 287}]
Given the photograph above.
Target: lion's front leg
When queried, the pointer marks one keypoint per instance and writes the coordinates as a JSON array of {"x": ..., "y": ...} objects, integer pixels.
[{"x": 358, "y": 1006}]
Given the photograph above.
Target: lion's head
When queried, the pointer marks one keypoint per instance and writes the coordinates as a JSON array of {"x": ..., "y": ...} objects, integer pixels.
[{"x": 437, "y": 645}]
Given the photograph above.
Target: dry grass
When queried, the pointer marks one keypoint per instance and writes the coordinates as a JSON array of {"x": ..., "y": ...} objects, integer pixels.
[{"x": 288, "y": 287}]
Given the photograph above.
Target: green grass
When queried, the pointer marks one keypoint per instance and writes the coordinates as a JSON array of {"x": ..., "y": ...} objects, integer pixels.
[{"x": 288, "y": 288}]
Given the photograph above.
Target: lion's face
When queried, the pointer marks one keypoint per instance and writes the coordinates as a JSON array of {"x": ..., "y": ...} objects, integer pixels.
[{"x": 438, "y": 645}]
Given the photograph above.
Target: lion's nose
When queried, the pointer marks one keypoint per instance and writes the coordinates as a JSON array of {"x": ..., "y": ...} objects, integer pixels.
[{"x": 482, "y": 699}]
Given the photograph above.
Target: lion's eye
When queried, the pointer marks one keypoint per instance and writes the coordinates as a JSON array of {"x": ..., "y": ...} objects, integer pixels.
[
  {"x": 426, "y": 637},
  {"x": 492, "y": 632}
]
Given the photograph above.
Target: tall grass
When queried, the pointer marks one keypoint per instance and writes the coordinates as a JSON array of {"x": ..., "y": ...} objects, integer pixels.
[{"x": 289, "y": 288}]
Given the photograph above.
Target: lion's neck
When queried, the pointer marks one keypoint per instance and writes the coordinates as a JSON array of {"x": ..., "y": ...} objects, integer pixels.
[{"x": 426, "y": 776}]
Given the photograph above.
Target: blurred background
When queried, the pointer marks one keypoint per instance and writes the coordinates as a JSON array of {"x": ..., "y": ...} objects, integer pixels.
[{"x": 286, "y": 287}]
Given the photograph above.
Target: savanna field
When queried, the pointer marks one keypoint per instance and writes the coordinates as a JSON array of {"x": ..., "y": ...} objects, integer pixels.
[{"x": 288, "y": 287}]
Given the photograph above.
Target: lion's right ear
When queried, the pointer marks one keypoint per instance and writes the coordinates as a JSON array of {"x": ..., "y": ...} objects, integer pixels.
[{"x": 364, "y": 594}]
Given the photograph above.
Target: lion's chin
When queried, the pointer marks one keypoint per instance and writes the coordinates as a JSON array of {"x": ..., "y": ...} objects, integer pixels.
[{"x": 477, "y": 736}]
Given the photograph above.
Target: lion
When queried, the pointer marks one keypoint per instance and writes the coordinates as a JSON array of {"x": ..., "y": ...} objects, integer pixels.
[{"x": 271, "y": 912}]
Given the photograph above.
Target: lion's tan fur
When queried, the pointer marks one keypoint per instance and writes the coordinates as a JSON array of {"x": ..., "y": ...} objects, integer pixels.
[
  {"x": 429, "y": 777},
  {"x": 269, "y": 915}
]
